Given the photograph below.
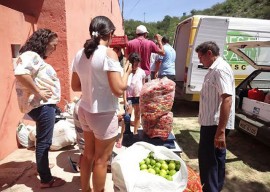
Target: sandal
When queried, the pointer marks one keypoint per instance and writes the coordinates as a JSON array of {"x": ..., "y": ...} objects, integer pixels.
[
  {"x": 74, "y": 165},
  {"x": 55, "y": 182}
]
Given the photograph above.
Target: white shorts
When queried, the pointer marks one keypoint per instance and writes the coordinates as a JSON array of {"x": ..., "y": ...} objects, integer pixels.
[{"x": 103, "y": 125}]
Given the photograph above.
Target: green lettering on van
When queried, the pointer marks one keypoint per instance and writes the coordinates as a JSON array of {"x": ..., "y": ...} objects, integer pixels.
[{"x": 232, "y": 58}]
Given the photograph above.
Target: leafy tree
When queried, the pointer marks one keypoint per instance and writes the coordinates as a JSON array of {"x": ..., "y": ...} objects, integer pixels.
[{"x": 233, "y": 8}]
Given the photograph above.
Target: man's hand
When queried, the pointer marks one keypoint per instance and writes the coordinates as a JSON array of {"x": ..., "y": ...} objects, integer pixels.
[
  {"x": 220, "y": 141},
  {"x": 158, "y": 37},
  {"x": 44, "y": 95}
]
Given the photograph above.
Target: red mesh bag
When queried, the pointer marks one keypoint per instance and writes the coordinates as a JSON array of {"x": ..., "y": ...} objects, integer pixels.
[
  {"x": 156, "y": 100},
  {"x": 160, "y": 127},
  {"x": 194, "y": 182}
]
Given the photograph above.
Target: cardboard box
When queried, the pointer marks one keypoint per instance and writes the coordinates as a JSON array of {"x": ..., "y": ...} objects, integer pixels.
[{"x": 258, "y": 109}]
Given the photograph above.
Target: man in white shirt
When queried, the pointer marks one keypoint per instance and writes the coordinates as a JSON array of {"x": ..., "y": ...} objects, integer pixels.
[{"x": 216, "y": 116}]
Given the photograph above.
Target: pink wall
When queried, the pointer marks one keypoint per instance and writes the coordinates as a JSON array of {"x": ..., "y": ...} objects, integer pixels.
[
  {"x": 70, "y": 19},
  {"x": 13, "y": 30},
  {"x": 78, "y": 19}
]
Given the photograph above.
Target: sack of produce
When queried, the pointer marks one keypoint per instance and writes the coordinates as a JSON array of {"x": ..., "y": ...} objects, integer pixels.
[
  {"x": 160, "y": 127},
  {"x": 156, "y": 101},
  {"x": 194, "y": 182},
  {"x": 144, "y": 167},
  {"x": 23, "y": 135}
]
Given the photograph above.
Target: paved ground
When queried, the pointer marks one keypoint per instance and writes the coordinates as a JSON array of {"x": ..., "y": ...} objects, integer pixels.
[
  {"x": 19, "y": 171},
  {"x": 22, "y": 162}
]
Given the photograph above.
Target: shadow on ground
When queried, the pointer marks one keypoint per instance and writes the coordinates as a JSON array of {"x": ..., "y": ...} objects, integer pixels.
[
  {"x": 182, "y": 108},
  {"x": 188, "y": 143},
  {"x": 250, "y": 151},
  {"x": 242, "y": 149},
  {"x": 236, "y": 184}
]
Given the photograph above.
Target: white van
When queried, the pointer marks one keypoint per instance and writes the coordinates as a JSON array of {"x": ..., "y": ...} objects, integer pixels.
[{"x": 189, "y": 72}]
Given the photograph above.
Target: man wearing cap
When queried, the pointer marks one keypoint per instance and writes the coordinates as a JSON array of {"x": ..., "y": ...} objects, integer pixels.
[{"x": 144, "y": 48}]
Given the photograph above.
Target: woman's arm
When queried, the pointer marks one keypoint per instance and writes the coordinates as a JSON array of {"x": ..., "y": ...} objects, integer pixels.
[
  {"x": 28, "y": 82},
  {"x": 118, "y": 83},
  {"x": 75, "y": 82}
]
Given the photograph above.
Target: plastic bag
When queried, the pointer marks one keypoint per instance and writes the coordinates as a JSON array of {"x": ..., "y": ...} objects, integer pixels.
[
  {"x": 23, "y": 135},
  {"x": 127, "y": 176},
  {"x": 256, "y": 94}
]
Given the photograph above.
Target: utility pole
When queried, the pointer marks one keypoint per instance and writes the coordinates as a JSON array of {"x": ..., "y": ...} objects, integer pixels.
[
  {"x": 123, "y": 14},
  {"x": 144, "y": 17},
  {"x": 123, "y": 9}
]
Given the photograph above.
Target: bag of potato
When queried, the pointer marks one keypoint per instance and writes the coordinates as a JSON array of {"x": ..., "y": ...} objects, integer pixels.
[{"x": 128, "y": 176}]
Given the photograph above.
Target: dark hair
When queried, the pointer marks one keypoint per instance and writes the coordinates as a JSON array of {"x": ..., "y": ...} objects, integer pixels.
[
  {"x": 208, "y": 45},
  {"x": 38, "y": 42},
  {"x": 133, "y": 57},
  {"x": 165, "y": 40},
  {"x": 100, "y": 27}
]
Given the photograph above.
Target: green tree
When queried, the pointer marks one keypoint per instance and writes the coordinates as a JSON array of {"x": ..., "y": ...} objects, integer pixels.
[{"x": 232, "y": 8}]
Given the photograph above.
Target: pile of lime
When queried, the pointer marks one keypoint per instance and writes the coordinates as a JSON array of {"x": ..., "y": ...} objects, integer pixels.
[{"x": 163, "y": 168}]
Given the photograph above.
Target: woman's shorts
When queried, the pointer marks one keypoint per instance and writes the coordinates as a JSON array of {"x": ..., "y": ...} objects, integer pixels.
[
  {"x": 134, "y": 100},
  {"x": 103, "y": 125}
]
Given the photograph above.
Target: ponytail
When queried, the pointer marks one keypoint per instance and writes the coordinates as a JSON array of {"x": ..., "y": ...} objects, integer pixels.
[
  {"x": 90, "y": 46},
  {"x": 100, "y": 28}
]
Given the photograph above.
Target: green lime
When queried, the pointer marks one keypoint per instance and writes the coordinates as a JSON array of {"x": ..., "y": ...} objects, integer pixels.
[
  {"x": 172, "y": 172},
  {"x": 157, "y": 170},
  {"x": 164, "y": 166},
  {"x": 147, "y": 161},
  {"x": 158, "y": 165},
  {"x": 162, "y": 174},
  {"x": 169, "y": 177},
  {"x": 142, "y": 162},
  {"x": 143, "y": 166},
  {"x": 177, "y": 167},
  {"x": 151, "y": 170},
  {"x": 171, "y": 166},
  {"x": 152, "y": 162}
]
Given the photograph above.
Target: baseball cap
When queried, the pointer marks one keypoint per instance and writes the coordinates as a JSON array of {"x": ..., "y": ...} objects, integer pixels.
[{"x": 141, "y": 29}]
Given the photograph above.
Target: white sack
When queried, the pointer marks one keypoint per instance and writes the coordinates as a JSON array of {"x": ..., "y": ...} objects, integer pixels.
[
  {"x": 64, "y": 134},
  {"x": 127, "y": 176},
  {"x": 23, "y": 135}
]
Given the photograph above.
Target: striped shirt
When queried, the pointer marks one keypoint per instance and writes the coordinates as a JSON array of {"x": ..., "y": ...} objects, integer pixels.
[{"x": 219, "y": 80}]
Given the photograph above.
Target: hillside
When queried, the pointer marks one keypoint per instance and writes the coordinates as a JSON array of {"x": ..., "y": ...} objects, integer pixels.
[{"x": 233, "y": 8}]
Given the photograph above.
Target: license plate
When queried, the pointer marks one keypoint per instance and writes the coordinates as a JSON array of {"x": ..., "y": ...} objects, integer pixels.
[{"x": 248, "y": 128}]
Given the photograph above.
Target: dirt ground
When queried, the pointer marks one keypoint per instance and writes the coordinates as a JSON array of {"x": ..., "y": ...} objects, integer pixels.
[{"x": 248, "y": 161}]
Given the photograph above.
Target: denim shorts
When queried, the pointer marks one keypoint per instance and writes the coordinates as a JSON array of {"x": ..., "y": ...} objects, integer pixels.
[{"x": 134, "y": 100}]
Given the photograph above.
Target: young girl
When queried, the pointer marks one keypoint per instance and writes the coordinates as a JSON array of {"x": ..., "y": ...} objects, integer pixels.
[{"x": 132, "y": 95}]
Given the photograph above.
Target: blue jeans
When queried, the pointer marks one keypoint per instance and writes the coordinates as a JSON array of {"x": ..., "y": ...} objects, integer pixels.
[
  {"x": 211, "y": 161},
  {"x": 44, "y": 117}
]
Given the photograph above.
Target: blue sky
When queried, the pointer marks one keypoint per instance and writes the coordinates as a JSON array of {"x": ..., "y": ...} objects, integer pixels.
[{"x": 155, "y": 10}]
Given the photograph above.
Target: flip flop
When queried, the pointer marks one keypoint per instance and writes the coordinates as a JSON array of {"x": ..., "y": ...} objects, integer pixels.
[
  {"x": 73, "y": 164},
  {"x": 55, "y": 182}
]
